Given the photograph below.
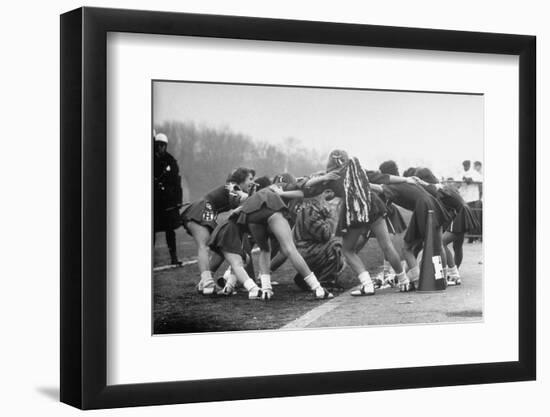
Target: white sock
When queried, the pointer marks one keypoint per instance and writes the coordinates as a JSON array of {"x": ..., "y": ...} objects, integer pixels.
[
  {"x": 265, "y": 279},
  {"x": 414, "y": 274},
  {"x": 364, "y": 278},
  {"x": 250, "y": 285},
  {"x": 312, "y": 282},
  {"x": 230, "y": 281},
  {"x": 227, "y": 273},
  {"x": 453, "y": 272},
  {"x": 206, "y": 277},
  {"x": 402, "y": 278}
]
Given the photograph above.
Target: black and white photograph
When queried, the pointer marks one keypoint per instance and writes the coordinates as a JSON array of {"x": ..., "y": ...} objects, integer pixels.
[
  {"x": 275, "y": 208},
  {"x": 279, "y": 207}
]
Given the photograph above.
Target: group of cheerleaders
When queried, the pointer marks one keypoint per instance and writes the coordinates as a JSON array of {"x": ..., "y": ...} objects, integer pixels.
[{"x": 260, "y": 213}]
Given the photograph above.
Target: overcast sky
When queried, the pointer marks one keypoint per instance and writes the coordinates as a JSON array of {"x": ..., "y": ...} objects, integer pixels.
[{"x": 435, "y": 130}]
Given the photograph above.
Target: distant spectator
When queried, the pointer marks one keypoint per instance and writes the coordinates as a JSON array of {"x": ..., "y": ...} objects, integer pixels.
[
  {"x": 470, "y": 190},
  {"x": 409, "y": 172},
  {"x": 477, "y": 167},
  {"x": 479, "y": 170},
  {"x": 167, "y": 195},
  {"x": 478, "y": 205}
]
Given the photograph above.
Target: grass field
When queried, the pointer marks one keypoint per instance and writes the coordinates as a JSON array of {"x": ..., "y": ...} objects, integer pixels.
[{"x": 178, "y": 308}]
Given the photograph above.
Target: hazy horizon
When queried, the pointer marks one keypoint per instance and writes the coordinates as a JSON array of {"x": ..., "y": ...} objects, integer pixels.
[{"x": 437, "y": 130}]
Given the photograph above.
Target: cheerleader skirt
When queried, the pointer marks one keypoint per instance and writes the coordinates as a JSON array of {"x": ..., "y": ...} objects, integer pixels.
[
  {"x": 416, "y": 231},
  {"x": 227, "y": 237},
  {"x": 259, "y": 207},
  {"x": 464, "y": 222},
  {"x": 201, "y": 212},
  {"x": 394, "y": 220}
]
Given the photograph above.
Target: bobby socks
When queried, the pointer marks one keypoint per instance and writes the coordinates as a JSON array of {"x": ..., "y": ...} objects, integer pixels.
[
  {"x": 402, "y": 278},
  {"x": 230, "y": 281},
  {"x": 250, "y": 285},
  {"x": 312, "y": 282},
  {"x": 453, "y": 272},
  {"x": 414, "y": 274},
  {"x": 206, "y": 278},
  {"x": 265, "y": 279},
  {"x": 227, "y": 273},
  {"x": 364, "y": 278}
]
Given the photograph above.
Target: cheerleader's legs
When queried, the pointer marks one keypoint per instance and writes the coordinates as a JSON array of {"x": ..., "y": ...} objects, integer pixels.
[
  {"x": 380, "y": 230},
  {"x": 281, "y": 230},
  {"x": 201, "y": 234},
  {"x": 248, "y": 266},
  {"x": 457, "y": 247},
  {"x": 277, "y": 261},
  {"x": 349, "y": 246},
  {"x": 260, "y": 236},
  {"x": 410, "y": 253},
  {"x": 439, "y": 232},
  {"x": 247, "y": 245},
  {"x": 215, "y": 262},
  {"x": 457, "y": 239},
  {"x": 236, "y": 262}
]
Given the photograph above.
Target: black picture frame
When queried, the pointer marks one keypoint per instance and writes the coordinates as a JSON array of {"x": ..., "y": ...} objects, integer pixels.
[{"x": 84, "y": 207}]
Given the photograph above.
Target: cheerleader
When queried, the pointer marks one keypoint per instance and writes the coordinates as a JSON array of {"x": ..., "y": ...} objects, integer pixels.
[
  {"x": 396, "y": 226},
  {"x": 287, "y": 182},
  {"x": 361, "y": 210},
  {"x": 263, "y": 215},
  {"x": 199, "y": 219},
  {"x": 463, "y": 221},
  {"x": 409, "y": 172},
  {"x": 413, "y": 197},
  {"x": 229, "y": 241}
]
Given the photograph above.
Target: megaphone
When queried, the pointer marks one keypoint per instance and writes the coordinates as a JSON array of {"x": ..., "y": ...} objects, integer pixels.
[{"x": 432, "y": 277}]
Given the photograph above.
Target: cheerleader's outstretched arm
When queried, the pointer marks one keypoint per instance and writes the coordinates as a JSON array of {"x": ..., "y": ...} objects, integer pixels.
[
  {"x": 291, "y": 194},
  {"x": 329, "y": 176},
  {"x": 394, "y": 179},
  {"x": 288, "y": 194},
  {"x": 377, "y": 177}
]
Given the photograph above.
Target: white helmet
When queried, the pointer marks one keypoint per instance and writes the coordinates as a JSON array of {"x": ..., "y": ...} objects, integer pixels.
[{"x": 161, "y": 137}]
